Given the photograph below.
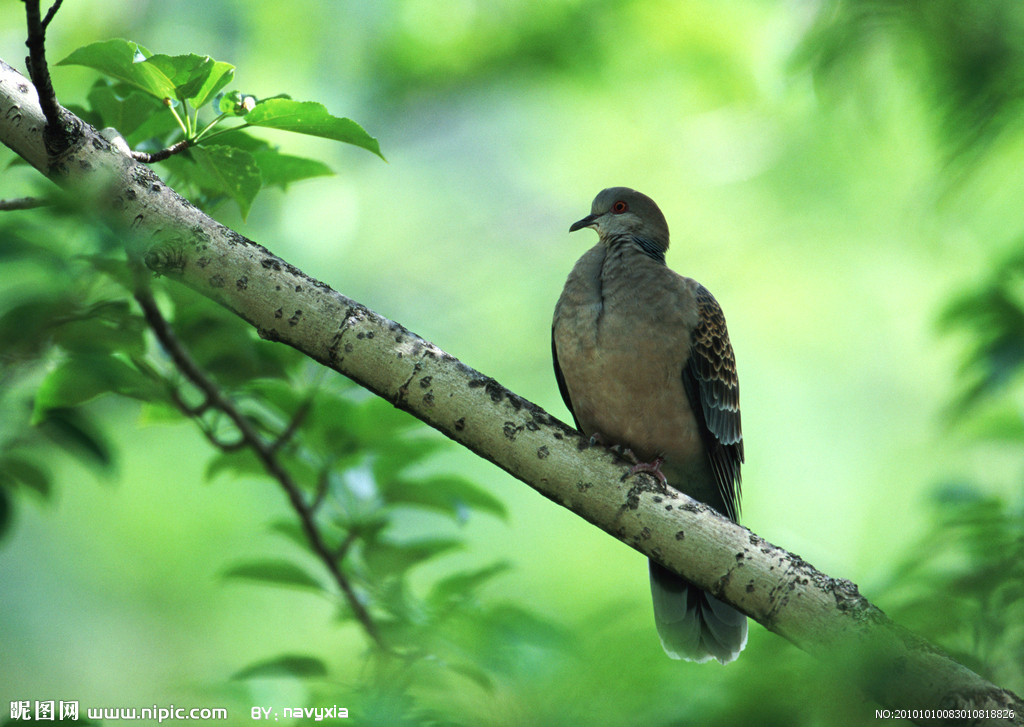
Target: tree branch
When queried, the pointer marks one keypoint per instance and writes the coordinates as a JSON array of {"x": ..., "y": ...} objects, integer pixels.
[
  {"x": 827, "y": 617},
  {"x": 56, "y": 129},
  {"x": 51, "y": 12},
  {"x": 165, "y": 153},
  {"x": 267, "y": 453},
  {"x": 21, "y": 203}
]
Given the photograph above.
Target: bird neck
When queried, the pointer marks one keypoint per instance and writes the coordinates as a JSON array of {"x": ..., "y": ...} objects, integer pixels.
[{"x": 650, "y": 248}]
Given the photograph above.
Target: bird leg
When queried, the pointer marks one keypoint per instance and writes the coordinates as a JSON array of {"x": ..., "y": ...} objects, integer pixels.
[{"x": 652, "y": 468}]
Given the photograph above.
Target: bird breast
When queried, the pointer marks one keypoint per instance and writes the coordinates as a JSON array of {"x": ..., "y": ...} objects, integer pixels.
[{"x": 622, "y": 334}]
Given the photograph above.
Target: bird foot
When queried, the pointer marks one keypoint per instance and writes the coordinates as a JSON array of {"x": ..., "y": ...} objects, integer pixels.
[
  {"x": 598, "y": 440},
  {"x": 653, "y": 468}
]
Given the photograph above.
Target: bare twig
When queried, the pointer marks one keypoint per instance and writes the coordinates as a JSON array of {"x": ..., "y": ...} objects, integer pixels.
[
  {"x": 223, "y": 446},
  {"x": 322, "y": 483},
  {"x": 39, "y": 71},
  {"x": 267, "y": 453},
  {"x": 342, "y": 551},
  {"x": 159, "y": 156},
  {"x": 22, "y": 203},
  {"x": 51, "y": 12},
  {"x": 293, "y": 426},
  {"x": 191, "y": 411}
]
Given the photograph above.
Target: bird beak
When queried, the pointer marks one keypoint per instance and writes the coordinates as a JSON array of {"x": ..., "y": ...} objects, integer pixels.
[{"x": 587, "y": 221}]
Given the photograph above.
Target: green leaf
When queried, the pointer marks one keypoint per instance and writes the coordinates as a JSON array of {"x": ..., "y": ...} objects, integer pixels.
[
  {"x": 233, "y": 171},
  {"x": 196, "y": 78},
  {"x": 286, "y": 665},
  {"x": 290, "y": 529},
  {"x": 386, "y": 558},
  {"x": 277, "y": 572},
  {"x": 160, "y": 412},
  {"x": 241, "y": 140},
  {"x": 221, "y": 74},
  {"x": 123, "y": 60},
  {"x": 283, "y": 395},
  {"x": 113, "y": 267},
  {"x": 449, "y": 494},
  {"x": 241, "y": 462},
  {"x": 26, "y": 328},
  {"x": 222, "y": 344},
  {"x": 76, "y": 434},
  {"x": 329, "y": 426},
  {"x": 127, "y": 109},
  {"x": 25, "y": 472},
  {"x": 83, "y": 378},
  {"x": 475, "y": 674},
  {"x": 463, "y": 584},
  {"x": 5, "y": 511},
  {"x": 189, "y": 77},
  {"x": 310, "y": 117},
  {"x": 280, "y": 170},
  {"x": 186, "y": 74},
  {"x": 108, "y": 326}
]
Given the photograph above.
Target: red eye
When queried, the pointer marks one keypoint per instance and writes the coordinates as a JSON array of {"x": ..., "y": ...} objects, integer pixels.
[{"x": 619, "y": 207}]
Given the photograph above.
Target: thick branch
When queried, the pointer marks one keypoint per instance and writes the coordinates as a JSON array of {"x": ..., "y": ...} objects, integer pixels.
[{"x": 825, "y": 616}]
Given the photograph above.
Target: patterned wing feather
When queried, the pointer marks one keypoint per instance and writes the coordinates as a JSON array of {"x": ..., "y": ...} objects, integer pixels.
[{"x": 713, "y": 390}]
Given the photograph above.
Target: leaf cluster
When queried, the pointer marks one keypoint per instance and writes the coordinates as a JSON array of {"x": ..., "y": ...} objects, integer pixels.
[
  {"x": 990, "y": 314},
  {"x": 155, "y": 101},
  {"x": 970, "y": 55},
  {"x": 964, "y": 585}
]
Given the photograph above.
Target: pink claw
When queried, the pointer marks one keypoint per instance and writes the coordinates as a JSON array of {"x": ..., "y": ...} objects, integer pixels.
[{"x": 653, "y": 468}]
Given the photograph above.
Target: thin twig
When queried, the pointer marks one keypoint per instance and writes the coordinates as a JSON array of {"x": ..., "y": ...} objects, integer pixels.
[
  {"x": 51, "y": 12},
  {"x": 192, "y": 411},
  {"x": 211, "y": 437},
  {"x": 228, "y": 447},
  {"x": 293, "y": 426},
  {"x": 342, "y": 551},
  {"x": 159, "y": 156},
  {"x": 321, "y": 489},
  {"x": 265, "y": 452},
  {"x": 22, "y": 203},
  {"x": 38, "y": 69}
]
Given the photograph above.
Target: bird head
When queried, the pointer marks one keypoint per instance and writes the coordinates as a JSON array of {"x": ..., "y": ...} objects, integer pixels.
[{"x": 618, "y": 211}]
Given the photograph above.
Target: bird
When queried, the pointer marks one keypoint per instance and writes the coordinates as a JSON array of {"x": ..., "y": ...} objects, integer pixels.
[{"x": 644, "y": 364}]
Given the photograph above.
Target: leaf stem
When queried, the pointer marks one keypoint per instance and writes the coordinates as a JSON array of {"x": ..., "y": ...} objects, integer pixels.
[
  {"x": 190, "y": 128},
  {"x": 209, "y": 126},
  {"x": 184, "y": 129},
  {"x": 215, "y": 134}
]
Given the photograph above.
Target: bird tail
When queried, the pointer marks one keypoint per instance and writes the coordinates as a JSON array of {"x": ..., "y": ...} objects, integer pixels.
[{"x": 692, "y": 624}]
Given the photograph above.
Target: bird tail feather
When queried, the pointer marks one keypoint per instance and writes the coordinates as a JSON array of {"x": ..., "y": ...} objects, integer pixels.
[{"x": 692, "y": 624}]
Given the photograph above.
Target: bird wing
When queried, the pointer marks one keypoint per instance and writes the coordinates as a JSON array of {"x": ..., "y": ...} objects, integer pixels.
[
  {"x": 713, "y": 391},
  {"x": 562, "y": 388}
]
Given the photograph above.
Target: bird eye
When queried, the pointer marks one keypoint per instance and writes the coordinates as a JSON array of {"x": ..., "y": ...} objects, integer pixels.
[{"x": 619, "y": 207}]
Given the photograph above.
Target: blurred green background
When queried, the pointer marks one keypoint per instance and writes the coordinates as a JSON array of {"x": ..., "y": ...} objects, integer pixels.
[{"x": 844, "y": 177}]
